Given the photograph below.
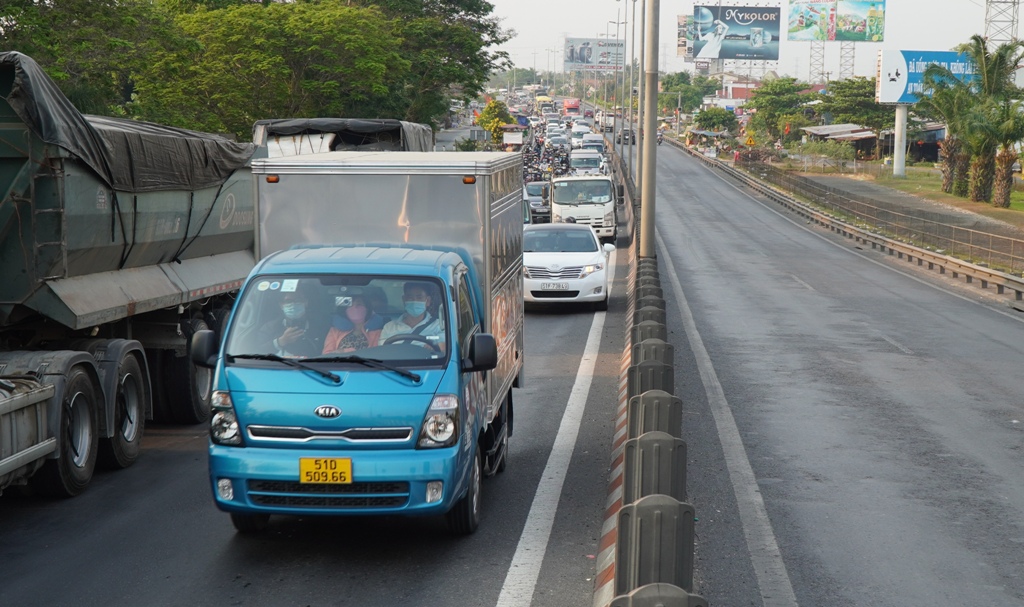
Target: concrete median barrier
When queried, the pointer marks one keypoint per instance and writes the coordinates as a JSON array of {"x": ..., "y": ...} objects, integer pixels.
[
  {"x": 655, "y": 464},
  {"x": 654, "y": 411},
  {"x": 659, "y": 595},
  {"x": 655, "y": 544}
]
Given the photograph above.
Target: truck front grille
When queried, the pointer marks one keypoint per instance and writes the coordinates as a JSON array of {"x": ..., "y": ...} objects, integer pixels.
[{"x": 293, "y": 494}]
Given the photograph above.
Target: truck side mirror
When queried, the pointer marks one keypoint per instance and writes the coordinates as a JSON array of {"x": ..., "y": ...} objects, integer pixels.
[
  {"x": 620, "y": 192},
  {"x": 203, "y": 350},
  {"x": 483, "y": 353}
]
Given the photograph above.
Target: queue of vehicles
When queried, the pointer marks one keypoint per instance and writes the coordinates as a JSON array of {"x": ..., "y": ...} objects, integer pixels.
[{"x": 127, "y": 273}]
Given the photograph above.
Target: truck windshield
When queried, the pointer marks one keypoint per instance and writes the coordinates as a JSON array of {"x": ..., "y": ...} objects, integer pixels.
[
  {"x": 582, "y": 191},
  {"x": 585, "y": 162},
  {"x": 397, "y": 321}
]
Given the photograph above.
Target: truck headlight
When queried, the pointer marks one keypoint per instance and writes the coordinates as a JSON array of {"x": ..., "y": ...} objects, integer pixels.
[
  {"x": 441, "y": 424},
  {"x": 609, "y": 218},
  {"x": 224, "y": 428},
  {"x": 588, "y": 270}
]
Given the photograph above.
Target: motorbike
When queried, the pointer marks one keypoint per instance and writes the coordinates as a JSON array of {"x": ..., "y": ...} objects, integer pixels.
[{"x": 660, "y": 137}]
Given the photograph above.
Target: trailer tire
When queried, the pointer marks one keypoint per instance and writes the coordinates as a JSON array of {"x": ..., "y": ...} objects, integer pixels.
[
  {"x": 464, "y": 517},
  {"x": 122, "y": 448},
  {"x": 70, "y": 473},
  {"x": 250, "y": 524},
  {"x": 188, "y": 386},
  {"x": 217, "y": 318}
]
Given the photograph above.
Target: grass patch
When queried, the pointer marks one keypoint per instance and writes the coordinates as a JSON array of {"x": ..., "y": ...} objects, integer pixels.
[{"x": 927, "y": 183}]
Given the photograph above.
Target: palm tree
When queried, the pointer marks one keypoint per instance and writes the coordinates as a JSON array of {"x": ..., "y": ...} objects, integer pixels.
[
  {"x": 959, "y": 102},
  {"x": 949, "y": 101},
  {"x": 1008, "y": 129}
]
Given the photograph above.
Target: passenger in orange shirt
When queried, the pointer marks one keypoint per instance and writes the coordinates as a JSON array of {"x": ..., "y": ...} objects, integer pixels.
[{"x": 353, "y": 327}]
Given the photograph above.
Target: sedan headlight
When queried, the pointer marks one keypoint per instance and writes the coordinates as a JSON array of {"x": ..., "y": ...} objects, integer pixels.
[
  {"x": 441, "y": 424},
  {"x": 588, "y": 270},
  {"x": 526, "y": 272},
  {"x": 224, "y": 428}
]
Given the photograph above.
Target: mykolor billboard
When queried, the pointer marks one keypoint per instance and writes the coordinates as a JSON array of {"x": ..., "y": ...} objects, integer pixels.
[
  {"x": 594, "y": 54},
  {"x": 735, "y": 32},
  {"x": 855, "y": 20}
]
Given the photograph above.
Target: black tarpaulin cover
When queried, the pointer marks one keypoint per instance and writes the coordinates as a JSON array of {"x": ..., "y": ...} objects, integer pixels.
[
  {"x": 129, "y": 155},
  {"x": 355, "y": 132}
]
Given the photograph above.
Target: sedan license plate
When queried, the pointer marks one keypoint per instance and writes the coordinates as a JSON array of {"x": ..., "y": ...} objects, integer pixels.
[
  {"x": 554, "y": 286},
  {"x": 325, "y": 470}
]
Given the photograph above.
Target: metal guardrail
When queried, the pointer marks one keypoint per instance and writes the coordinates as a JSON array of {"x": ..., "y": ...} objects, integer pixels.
[{"x": 875, "y": 237}]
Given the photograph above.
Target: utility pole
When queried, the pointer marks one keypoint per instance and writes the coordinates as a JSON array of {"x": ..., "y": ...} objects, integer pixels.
[
  {"x": 641, "y": 107},
  {"x": 650, "y": 142},
  {"x": 632, "y": 59}
]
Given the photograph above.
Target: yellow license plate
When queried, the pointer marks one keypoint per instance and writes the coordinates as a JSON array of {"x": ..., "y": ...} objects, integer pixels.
[{"x": 325, "y": 470}]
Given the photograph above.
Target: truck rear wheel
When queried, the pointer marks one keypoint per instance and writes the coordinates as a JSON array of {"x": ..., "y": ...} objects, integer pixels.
[
  {"x": 188, "y": 386},
  {"x": 122, "y": 448},
  {"x": 464, "y": 517},
  {"x": 70, "y": 473}
]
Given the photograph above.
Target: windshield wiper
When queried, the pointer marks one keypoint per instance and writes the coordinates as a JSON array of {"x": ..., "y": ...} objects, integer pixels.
[
  {"x": 368, "y": 362},
  {"x": 291, "y": 362}
]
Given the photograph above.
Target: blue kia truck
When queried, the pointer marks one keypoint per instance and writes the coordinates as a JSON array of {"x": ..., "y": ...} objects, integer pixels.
[{"x": 368, "y": 364}]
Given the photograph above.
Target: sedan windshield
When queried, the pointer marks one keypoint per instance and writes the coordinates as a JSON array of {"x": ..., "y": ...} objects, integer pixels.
[
  {"x": 559, "y": 241},
  {"x": 340, "y": 319}
]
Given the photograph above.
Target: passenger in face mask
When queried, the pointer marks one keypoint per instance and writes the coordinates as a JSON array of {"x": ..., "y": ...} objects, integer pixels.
[
  {"x": 418, "y": 319},
  {"x": 293, "y": 335},
  {"x": 354, "y": 327}
]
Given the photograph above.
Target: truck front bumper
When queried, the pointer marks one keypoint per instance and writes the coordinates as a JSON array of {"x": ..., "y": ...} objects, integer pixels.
[{"x": 266, "y": 481}]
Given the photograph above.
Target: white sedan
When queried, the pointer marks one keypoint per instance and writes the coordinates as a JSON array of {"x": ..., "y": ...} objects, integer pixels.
[{"x": 565, "y": 263}]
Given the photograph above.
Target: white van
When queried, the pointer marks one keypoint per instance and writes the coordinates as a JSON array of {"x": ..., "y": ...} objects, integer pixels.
[{"x": 593, "y": 141}]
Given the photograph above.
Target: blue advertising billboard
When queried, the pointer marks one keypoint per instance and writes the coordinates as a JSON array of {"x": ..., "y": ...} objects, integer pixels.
[
  {"x": 735, "y": 32},
  {"x": 900, "y": 75}
]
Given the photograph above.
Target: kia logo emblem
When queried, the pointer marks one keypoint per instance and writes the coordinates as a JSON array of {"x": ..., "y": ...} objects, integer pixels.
[{"x": 327, "y": 411}]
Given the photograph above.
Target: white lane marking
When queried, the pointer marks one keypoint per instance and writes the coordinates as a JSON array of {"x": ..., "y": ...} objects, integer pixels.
[
  {"x": 806, "y": 286},
  {"x": 896, "y": 344},
  {"x": 521, "y": 579},
  {"x": 742, "y": 190},
  {"x": 772, "y": 578}
]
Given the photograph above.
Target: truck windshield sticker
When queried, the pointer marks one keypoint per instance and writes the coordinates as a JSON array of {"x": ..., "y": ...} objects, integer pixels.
[
  {"x": 263, "y": 286},
  {"x": 289, "y": 286}
]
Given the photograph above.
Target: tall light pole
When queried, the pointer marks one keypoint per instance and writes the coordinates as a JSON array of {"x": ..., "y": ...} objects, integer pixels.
[
  {"x": 647, "y": 196},
  {"x": 615, "y": 75},
  {"x": 632, "y": 59},
  {"x": 641, "y": 105}
]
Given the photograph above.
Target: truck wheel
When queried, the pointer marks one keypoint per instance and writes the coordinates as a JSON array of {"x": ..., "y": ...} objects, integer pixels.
[
  {"x": 69, "y": 474},
  {"x": 464, "y": 517},
  {"x": 122, "y": 449},
  {"x": 249, "y": 524},
  {"x": 188, "y": 385}
]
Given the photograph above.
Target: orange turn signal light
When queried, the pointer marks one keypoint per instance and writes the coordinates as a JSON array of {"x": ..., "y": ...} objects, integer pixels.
[
  {"x": 469, "y": 179},
  {"x": 273, "y": 178}
]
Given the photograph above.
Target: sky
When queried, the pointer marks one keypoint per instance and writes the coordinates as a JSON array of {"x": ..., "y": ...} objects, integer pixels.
[{"x": 544, "y": 24}]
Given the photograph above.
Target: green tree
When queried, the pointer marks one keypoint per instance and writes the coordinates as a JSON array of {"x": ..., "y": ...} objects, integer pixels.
[
  {"x": 494, "y": 115},
  {"x": 91, "y": 48},
  {"x": 716, "y": 119},
  {"x": 673, "y": 82},
  {"x": 1007, "y": 125},
  {"x": 790, "y": 125},
  {"x": 249, "y": 62},
  {"x": 773, "y": 99},
  {"x": 853, "y": 101},
  {"x": 947, "y": 101}
]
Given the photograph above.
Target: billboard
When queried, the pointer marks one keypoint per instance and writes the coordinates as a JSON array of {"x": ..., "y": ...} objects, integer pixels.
[
  {"x": 594, "y": 55},
  {"x": 901, "y": 73},
  {"x": 735, "y": 32},
  {"x": 850, "y": 20},
  {"x": 684, "y": 23}
]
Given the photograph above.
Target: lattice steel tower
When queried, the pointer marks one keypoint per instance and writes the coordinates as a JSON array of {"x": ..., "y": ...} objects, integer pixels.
[
  {"x": 847, "y": 58},
  {"x": 817, "y": 61},
  {"x": 1001, "y": 21}
]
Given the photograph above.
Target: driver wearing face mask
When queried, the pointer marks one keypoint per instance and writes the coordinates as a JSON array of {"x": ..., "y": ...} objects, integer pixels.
[
  {"x": 293, "y": 335},
  {"x": 418, "y": 319}
]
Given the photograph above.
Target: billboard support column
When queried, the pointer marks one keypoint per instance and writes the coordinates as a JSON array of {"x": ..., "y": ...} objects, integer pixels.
[
  {"x": 650, "y": 140},
  {"x": 899, "y": 152}
]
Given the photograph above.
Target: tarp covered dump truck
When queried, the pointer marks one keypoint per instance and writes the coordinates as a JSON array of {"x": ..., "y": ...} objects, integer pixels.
[{"x": 118, "y": 241}]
